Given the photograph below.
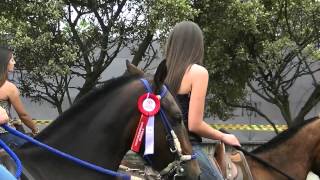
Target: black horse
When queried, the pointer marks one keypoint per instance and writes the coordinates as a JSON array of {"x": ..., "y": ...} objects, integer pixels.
[{"x": 100, "y": 129}]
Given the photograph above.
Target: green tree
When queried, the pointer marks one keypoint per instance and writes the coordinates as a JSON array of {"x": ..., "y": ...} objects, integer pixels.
[
  {"x": 63, "y": 40},
  {"x": 42, "y": 49},
  {"x": 262, "y": 48}
]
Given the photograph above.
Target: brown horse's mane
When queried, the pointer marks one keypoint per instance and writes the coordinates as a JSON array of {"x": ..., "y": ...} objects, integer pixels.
[{"x": 284, "y": 136}]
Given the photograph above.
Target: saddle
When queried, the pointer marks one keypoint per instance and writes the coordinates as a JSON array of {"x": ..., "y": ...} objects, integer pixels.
[{"x": 233, "y": 165}]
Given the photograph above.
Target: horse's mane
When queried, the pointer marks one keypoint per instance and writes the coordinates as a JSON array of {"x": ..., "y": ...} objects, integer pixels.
[
  {"x": 284, "y": 136},
  {"x": 92, "y": 96}
]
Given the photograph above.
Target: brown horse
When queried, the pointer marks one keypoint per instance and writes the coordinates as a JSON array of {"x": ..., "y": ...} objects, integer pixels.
[
  {"x": 294, "y": 152},
  {"x": 290, "y": 155}
]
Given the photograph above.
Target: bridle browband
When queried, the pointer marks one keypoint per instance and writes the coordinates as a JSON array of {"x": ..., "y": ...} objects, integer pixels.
[{"x": 174, "y": 168}]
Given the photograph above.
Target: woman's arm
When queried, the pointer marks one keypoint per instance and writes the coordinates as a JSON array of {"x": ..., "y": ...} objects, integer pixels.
[
  {"x": 199, "y": 84},
  {"x": 15, "y": 100}
]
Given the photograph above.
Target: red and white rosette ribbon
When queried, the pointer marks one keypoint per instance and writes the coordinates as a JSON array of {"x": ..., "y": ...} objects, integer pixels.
[{"x": 148, "y": 105}]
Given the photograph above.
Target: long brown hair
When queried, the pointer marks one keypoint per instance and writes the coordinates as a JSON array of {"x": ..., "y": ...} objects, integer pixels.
[
  {"x": 184, "y": 47},
  {"x": 5, "y": 56}
]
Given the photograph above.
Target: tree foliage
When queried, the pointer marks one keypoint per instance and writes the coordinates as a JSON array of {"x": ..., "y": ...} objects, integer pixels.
[
  {"x": 42, "y": 49},
  {"x": 263, "y": 48},
  {"x": 58, "y": 42}
]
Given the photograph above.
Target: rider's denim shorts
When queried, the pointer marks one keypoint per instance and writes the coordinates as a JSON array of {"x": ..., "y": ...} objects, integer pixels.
[{"x": 209, "y": 171}]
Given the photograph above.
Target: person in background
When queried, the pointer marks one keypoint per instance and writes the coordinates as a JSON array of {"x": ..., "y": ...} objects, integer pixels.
[
  {"x": 4, "y": 173},
  {"x": 4, "y": 118},
  {"x": 10, "y": 95},
  {"x": 188, "y": 80}
]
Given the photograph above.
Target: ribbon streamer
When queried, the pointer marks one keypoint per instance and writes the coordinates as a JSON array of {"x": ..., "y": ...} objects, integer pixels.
[
  {"x": 149, "y": 140},
  {"x": 148, "y": 105},
  {"x": 135, "y": 146}
]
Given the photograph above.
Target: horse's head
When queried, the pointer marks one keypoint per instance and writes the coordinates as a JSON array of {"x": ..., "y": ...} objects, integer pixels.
[{"x": 172, "y": 157}]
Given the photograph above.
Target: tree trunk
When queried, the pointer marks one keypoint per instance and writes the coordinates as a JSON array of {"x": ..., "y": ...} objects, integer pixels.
[
  {"x": 88, "y": 85},
  {"x": 59, "y": 108},
  {"x": 142, "y": 49},
  {"x": 284, "y": 107}
]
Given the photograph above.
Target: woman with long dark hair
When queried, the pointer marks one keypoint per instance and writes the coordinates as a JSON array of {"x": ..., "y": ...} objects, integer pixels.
[
  {"x": 188, "y": 80},
  {"x": 10, "y": 95}
]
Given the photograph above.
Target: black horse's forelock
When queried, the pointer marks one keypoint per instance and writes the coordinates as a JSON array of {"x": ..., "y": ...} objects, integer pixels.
[
  {"x": 96, "y": 92},
  {"x": 284, "y": 136}
]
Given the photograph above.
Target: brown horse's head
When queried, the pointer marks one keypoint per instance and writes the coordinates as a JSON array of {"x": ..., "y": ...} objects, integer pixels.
[{"x": 163, "y": 155}]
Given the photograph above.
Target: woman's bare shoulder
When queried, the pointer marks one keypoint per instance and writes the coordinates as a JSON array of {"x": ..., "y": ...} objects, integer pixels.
[
  {"x": 10, "y": 88},
  {"x": 198, "y": 71}
]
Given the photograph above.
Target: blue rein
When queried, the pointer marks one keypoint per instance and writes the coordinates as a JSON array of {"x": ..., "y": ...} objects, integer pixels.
[
  {"x": 13, "y": 156},
  {"x": 59, "y": 153}
]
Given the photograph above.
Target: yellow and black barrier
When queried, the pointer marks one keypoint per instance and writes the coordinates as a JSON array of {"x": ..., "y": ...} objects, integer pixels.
[
  {"x": 42, "y": 122},
  {"x": 236, "y": 127},
  {"x": 37, "y": 121},
  {"x": 249, "y": 127}
]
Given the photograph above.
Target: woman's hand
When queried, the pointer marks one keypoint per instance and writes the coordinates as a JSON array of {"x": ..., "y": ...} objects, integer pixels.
[
  {"x": 230, "y": 139},
  {"x": 35, "y": 131},
  {"x": 4, "y": 118}
]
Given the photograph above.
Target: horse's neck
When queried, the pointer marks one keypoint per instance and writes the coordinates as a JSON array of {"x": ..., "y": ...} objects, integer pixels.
[
  {"x": 294, "y": 153},
  {"x": 100, "y": 137}
]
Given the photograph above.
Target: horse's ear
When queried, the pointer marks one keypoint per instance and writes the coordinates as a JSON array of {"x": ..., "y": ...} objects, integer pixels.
[
  {"x": 160, "y": 75},
  {"x": 133, "y": 70}
]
